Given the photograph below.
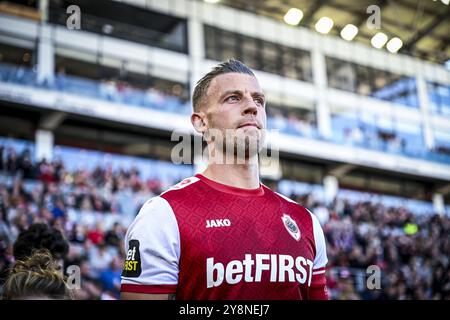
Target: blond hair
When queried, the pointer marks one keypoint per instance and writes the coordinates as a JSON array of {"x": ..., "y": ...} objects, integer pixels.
[{"x": 36, "y": 277}]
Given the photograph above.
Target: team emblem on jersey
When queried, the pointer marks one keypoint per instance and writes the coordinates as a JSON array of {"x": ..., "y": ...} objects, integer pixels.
[
  {"x": 132, "y": 266},
  {"x": 291, "y": 226}
]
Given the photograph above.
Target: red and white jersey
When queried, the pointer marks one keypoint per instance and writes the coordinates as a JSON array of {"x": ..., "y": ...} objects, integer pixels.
[{"x": 204, "y": 240}]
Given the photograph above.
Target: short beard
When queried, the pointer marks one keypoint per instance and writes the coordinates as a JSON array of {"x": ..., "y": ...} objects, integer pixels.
[{"x": 235, "y": 146}]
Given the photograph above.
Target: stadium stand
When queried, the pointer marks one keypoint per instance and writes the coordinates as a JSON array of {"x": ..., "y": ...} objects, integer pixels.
[{"x": 87, "y": 118}]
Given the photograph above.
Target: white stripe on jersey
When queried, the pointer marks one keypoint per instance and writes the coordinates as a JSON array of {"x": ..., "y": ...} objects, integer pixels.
[{"x": 318, "y": 272}]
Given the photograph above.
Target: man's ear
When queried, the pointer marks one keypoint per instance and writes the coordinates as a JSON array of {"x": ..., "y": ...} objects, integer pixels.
[{"x": 198, "y": 120}]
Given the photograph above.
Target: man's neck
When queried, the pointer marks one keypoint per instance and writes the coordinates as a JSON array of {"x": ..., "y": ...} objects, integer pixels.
[{"x": 244, "y": 176}]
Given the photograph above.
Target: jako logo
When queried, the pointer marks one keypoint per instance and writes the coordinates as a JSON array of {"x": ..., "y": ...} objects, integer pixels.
[{"x": 216, "y": 223}]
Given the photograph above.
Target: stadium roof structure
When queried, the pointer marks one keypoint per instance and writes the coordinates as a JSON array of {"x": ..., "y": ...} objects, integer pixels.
[{"x": 423, "y": 26}]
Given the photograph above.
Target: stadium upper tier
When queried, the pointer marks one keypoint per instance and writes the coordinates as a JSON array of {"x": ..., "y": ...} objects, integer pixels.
[{"x": 346, "y": 128}]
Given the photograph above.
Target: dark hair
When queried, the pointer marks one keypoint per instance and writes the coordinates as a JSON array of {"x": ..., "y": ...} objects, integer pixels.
[
  {"x": 201, "y": 88},
  {"x": 38, "y": 236},
  {"x": 36, "y": 277}
]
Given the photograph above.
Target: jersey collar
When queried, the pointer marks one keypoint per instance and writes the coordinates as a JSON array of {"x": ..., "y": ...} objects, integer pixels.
[{"x": 230, "y": 189}]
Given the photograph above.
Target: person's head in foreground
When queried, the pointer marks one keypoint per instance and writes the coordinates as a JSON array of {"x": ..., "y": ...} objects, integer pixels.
[
  {"x": 229, "y": 111},
  {"x": 41, "y": 236},
  {"x": 36, "y": 277}
]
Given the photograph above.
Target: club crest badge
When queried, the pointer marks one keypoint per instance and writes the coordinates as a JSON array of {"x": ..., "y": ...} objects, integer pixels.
[{"x": 291, "y": 226}]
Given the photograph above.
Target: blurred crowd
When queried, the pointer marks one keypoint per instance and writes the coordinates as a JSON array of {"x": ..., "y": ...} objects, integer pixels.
[
  {"x": 292, "y": 121},
  {"x": 47, "y": 193},
  {"x": 378, "y": 139},
  {"x": 411, "y": 251}
]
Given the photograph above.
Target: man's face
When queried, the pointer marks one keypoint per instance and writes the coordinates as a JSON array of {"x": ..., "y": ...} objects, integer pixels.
[{"x": 235, "y": 107}]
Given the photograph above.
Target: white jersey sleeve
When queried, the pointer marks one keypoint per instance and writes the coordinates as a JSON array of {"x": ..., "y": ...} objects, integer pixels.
[
  {"x": 320, "y": 259},
  {"x": 318, "y": 289},
  {"x": 152, "y": 247}
]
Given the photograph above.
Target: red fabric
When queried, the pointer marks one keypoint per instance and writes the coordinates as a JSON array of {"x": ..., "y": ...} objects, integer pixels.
[
  {"x": 256, "y": 229},
  {"x": 149, "y": 289},
  {"x": 96, "y": 236},
  {"x": 318, "y": 289}
]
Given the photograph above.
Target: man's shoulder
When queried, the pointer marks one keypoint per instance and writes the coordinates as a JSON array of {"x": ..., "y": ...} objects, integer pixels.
[
  {"x": 286, "y": 200},
  {"x": 185, "y": 184},
  {"x": 184, "y": 188},
  {"x": 166, "y": 201},
  {"x": 280, "y": 196}
]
